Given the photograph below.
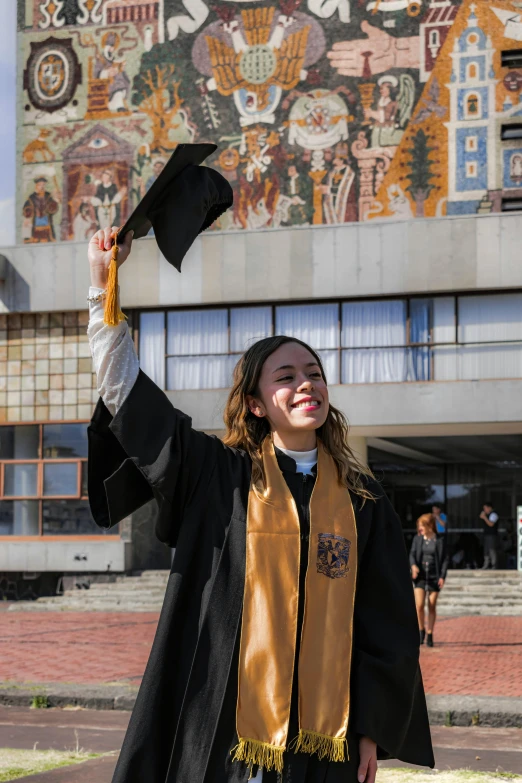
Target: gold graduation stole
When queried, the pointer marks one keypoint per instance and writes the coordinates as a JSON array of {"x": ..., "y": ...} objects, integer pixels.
[{"x": 269, "y": 626}]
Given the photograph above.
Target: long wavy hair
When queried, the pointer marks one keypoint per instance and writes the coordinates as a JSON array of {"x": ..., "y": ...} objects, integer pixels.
[{"x": 246, "y": 431}]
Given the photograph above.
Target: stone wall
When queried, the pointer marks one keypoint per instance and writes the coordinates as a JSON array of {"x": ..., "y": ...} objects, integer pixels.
[{"x": 45, "y": 367}]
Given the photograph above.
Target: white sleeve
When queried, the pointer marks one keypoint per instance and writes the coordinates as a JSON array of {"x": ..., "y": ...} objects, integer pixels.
[{"x": 113, "y": 355}]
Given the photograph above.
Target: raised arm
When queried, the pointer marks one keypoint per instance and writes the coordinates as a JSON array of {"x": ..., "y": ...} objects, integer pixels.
[{"x": 140, "y": 446}]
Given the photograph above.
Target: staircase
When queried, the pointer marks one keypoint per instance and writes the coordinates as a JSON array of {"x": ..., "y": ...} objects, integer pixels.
[
  {"x": 481, "y": 592},
  {"x": 465, "y": 593},
  {"x": 142, "y": 593}
]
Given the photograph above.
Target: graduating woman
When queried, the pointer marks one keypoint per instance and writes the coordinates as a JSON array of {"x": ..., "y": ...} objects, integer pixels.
[{"x": 287, "y": 648}]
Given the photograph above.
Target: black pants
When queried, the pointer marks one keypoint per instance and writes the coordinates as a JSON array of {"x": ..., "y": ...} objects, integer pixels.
[
  {"x": 302, "y": 768},
  {"x": 490, "y": 551}
]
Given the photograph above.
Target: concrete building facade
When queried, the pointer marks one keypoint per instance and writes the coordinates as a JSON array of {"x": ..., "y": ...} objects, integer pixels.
[{"x": 376, "y": 199}]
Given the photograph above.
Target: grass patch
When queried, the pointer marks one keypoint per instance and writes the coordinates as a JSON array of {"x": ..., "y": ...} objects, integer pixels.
[
  {"x": 435, "y": 776},
  {"x": 40, "y": 702},
  {"x": 16, "y": 764}
]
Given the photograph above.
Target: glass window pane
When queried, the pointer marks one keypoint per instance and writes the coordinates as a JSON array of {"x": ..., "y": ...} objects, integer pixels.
[
  {"x": 64, "y": 440},
  {"x": 490, "y": 318},
  {"x": 248, "y": 325},
  {"x": 317, "y": 325},
  {"x": 192, "y": 332},
  {"x": 330, "y": 360},
  {"x": 19, "y": 442},
  {"x": 152, "y": 346},
  {"x": 200, "y": 372},
  {"x": 374, "y": 324},
  {"x": 69, "y": 517},
  {"x": 385, "y": 365},
  {"x": 60, "y": 478},
  {"x": 421, "y": 311},
  {"x": 85, "y": 490},
  {"x": 20, "y": 480},
  {"x": 19, "y": 518},
  {"x": 444, "y": 324}
]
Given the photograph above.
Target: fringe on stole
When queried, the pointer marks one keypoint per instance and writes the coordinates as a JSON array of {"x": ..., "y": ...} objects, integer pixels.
[
  {"x": 260, "y": 754},
  {"x": 332, "y": 748},
  {"x": 112, "y": 313}
]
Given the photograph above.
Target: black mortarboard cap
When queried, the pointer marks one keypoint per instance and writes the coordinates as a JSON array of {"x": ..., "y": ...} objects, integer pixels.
[{"x": 185, "y": 199}]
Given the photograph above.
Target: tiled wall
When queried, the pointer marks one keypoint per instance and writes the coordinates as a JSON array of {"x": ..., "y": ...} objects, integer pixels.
[{"x": 45, "y": 367}]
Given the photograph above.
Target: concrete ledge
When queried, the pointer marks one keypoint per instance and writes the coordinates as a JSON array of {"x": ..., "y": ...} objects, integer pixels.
[
  {"x": 445, "y": 710},
  {"x": 492, "y": 711}
]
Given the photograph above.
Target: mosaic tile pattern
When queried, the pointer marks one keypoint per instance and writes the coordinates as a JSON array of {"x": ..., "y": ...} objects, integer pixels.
[{"x": 45, "y": 367}]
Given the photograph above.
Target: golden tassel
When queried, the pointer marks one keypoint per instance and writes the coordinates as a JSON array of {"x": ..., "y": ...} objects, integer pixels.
[
  {"x": 332, "y": 748},
  {"x": 260, "y": 754},
  {"x": 112, "y": 313}
]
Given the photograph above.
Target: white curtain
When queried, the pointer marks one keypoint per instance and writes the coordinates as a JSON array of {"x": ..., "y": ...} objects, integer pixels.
[
  {"x": 316, "y": 325},
  {"x": 25, "y": 518},
  {"x": 200, "y": 372},
  {"x": 490, "y": 318},
  {"x": 444, "y": 328},
  {"x": 478, "y": 362},
  {"x": 379, "y": 365},
  {"x": 248, "y": 325},
  {"x": 152, "y": 346},
  {"x": 368, "y": 324},
  {"x": 192, "y": 332},
  {"x": 330, "y": 360}
]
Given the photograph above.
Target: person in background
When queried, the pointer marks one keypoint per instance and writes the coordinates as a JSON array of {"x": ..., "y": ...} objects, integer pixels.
[
  {"x": 490, "y": 529},
  {"x": 441, "y": 520},
  {"x": 429, "y": 565}
]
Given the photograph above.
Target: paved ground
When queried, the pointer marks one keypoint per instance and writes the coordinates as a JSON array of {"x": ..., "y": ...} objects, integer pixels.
[
  {"x": 92, "y": 730},
  {"x": 472, "y": 655}
]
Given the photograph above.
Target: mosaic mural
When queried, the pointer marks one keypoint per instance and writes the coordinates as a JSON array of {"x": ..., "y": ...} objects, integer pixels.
[{"x": 325, "y": 111}]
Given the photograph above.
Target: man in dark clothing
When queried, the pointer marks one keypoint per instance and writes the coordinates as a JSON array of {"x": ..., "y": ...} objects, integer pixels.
[{"x": 490, "y": 529}]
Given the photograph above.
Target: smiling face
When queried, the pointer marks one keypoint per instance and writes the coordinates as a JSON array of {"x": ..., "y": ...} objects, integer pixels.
[{"x": 293, "y": 396}]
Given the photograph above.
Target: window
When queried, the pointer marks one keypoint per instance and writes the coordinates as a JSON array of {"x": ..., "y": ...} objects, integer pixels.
[
  {"x": 434, "y": 39},
  {"x": 473, "y": 39},
  {"x": 439, "y": 338},
  {"x": 471, "y": 143},
  {"x": 511, "y": 204},
  {"x": 472, "y": 106},
  {"x": 471, "y": 168},
  {"x": 512, "y": 131},
  {"x": 511, "y": 58},
  {"x": 471, "y": 71},
  {"x": 43, "y": 480}
]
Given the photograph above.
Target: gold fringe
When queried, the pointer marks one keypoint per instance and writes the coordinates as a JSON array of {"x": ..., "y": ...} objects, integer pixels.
[
  {"x": 332, "y": 748},
  {"x": 112, "y": 315},
  {"x": 260, "y": 754}
]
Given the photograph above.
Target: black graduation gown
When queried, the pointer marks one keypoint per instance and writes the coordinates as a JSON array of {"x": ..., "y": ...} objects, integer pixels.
[{"x": 183, "y": 723}]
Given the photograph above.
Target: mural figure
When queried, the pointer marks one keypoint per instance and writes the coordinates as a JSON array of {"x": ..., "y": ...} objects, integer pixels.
[
  {"x": 393, "y": 111},
  {"x": 108, "y": 66},
  {"x": 256, "y": 55},
  {"x": 39, "y": 209},
  {"x": 83, "y": 224},
  {"x": 515, "y": 167},
  {"x": 106, "y": 201},
  {"x": 319, "y": 118},
  {"x": 298, "y": 188},
  {"x": 339, "y": 197}
]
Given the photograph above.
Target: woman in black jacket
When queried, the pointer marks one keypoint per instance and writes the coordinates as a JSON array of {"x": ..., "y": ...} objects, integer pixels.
[{"x": 429, "y": 565}]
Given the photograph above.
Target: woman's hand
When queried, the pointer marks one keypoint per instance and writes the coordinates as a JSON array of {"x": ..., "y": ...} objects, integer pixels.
[
  {"x": 414, "y": 571},
  {"x": 441, "y": 583},
  {"x": 368, "y": 761},
  {"x": 100, "y": 254}
]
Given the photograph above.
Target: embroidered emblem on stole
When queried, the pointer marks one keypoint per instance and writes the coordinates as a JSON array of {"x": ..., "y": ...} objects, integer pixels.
[{"x": 333, "y": 554}]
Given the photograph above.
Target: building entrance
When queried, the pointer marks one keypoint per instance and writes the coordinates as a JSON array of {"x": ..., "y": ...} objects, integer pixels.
[{"x": 459, "y": 474}]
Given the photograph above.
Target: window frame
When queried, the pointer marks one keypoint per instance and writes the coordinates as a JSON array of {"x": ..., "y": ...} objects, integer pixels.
[
  {"x": 408, "y": 298},
  {"x": 40, "y": 497}
]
